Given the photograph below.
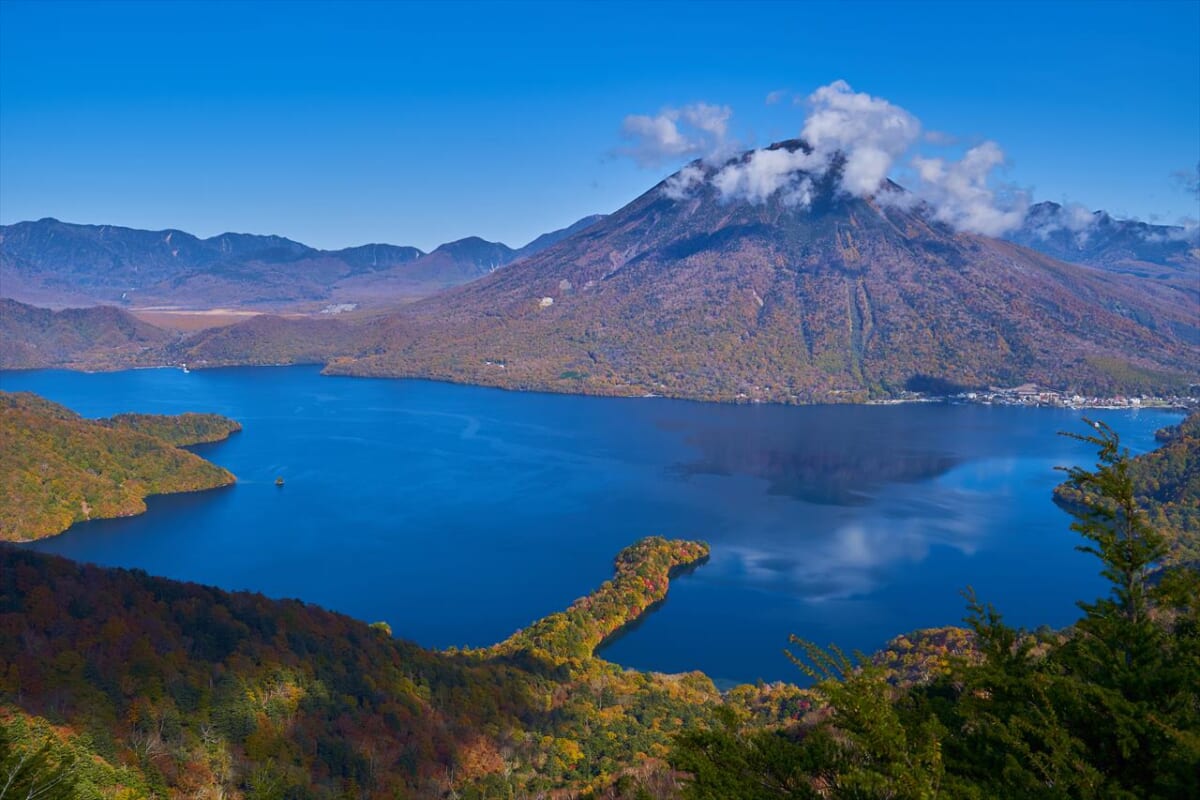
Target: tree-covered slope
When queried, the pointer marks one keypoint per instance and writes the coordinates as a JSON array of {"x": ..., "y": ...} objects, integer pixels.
[
  {"x": 199, "y": 692},
  {"x": 181, "y": 430},
  {"x": 57, "y": 468},
  {"x": 102, "y": 337}
]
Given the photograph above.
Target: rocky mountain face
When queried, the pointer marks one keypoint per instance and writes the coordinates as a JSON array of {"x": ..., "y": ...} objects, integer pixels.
[
  {"x": 1167, "y": 253},
  {"x": 55, "y": 263},
  {"x": 841, "y": 299}
]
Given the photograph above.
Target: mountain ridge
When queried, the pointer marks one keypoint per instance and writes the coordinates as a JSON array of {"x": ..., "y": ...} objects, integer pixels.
[
  {"x": 53, "y": 263},
  {"x": 1165, "y": 253}
]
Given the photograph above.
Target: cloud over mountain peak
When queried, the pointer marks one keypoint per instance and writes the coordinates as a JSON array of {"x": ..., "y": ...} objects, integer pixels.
[{"x": 855, "y": 138}]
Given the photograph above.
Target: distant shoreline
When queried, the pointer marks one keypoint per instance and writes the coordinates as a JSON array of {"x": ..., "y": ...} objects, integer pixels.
[{"x": 1181, "y": 404}]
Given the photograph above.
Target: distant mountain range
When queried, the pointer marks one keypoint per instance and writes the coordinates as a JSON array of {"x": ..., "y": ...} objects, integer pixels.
[
  {"x": 55, "y": 263},
  {"x": 691, "y": 295},
  {"x": 1168, "y": 253}
]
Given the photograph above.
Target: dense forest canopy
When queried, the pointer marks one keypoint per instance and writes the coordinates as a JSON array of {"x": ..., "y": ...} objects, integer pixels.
[{"x": 181, "y": 430}]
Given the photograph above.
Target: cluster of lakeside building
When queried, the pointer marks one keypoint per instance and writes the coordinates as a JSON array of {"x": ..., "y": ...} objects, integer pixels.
[{"x": 1030, "y": 394}]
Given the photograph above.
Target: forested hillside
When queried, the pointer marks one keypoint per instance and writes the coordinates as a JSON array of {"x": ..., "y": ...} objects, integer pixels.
[
  {"x": 176, "y": 690},
  {"x": 1167, "y": 485},
  {"x": 180, "y": 430},
  {"x": 57, "y": 468}
]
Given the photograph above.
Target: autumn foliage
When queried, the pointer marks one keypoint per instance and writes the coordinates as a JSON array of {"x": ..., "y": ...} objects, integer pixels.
[{"x": 58, "y": 468}]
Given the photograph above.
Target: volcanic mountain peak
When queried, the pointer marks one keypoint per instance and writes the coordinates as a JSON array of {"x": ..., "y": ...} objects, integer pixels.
[
  {"x": 697, "y": 291},
  {"x": 786, "y": 176}
]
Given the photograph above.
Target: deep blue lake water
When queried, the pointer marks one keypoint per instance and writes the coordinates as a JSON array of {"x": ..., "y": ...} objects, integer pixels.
[{"x": 459, "y": 514}]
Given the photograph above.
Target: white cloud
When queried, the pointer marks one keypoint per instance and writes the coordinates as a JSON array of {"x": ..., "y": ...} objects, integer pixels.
[
  {"x": 861, "y": 134},
  {"x": 855, "y": 139},
  {"x": 960, "y": 195},
  {"x": 1072, "y": 217},
  {"x": 1186, "y": 229},
  {"x": 699, "y": 129},
  {"x": 870, "y": 132},
  {"x": 680, "y": 185},
  {"x": 764, "y": 172},
  {"x": 711, "y": 119}
]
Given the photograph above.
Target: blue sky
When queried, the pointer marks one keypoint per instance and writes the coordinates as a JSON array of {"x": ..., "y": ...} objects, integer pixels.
[{"x": 339, "y": 124}]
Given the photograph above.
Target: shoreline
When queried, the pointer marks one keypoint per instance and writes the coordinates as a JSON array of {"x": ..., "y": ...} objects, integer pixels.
[
  {"x": 678, "y": 571},
  {"x": 641, "y": 580},
  {"x": 1181, "y": 404}
]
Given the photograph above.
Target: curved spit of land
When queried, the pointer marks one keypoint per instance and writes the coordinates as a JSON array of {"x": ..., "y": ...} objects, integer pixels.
[{"x": 643, "y": 574}]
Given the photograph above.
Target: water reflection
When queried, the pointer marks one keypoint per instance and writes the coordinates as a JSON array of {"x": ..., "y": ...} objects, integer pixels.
[
  {"x": 842, "y": 553},
  {"x": 820, "y": 456}
]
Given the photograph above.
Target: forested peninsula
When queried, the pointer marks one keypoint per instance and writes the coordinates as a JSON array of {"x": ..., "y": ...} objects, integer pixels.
[{"x": 57, "y": 468}]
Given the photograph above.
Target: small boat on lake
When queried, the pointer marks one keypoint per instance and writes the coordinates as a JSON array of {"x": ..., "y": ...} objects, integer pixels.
[{"x": 279, "y": 481}]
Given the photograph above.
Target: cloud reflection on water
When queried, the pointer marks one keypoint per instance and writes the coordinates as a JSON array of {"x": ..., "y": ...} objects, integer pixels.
[{"x": 849, "y": 559}]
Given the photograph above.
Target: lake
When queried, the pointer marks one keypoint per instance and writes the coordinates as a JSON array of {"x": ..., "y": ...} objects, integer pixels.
[{"x": 459, "y": 514}]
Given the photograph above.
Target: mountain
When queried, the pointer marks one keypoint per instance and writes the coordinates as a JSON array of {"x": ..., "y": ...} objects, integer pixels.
[
  {"x": 55, "y": 263},
  {"x": 689, "y": 294},
  {"x": 449, "y": 265},
  {"x": 1168, "y": 253},
  {"x": 96, "y": 338},
  {"x": 453, "y": 263},
  {"x": 372, "y": 257},
  {"x": 845, "y": 299}
]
